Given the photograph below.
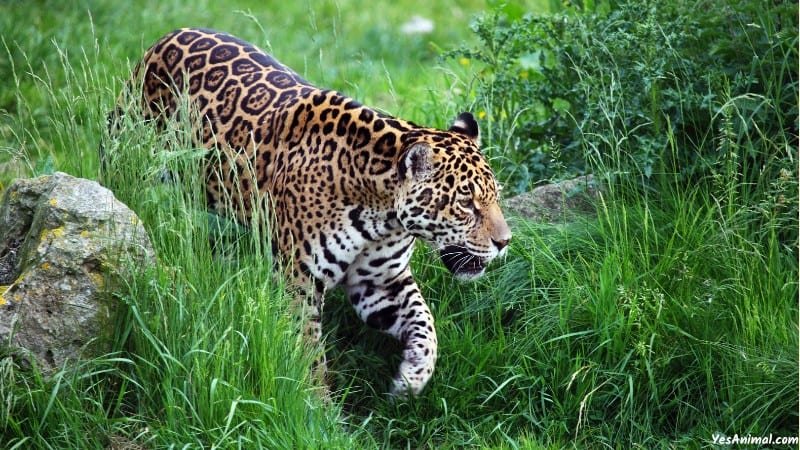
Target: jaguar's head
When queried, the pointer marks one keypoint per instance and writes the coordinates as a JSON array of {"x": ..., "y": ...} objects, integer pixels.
[{"x": 449, "y": 197}]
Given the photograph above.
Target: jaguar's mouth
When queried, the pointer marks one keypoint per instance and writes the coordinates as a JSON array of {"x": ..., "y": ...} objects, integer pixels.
[{"x": 461, "y": 263}]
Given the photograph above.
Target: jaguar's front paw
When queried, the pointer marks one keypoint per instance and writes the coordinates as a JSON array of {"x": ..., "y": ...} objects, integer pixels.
[{"x": 414, "y": 372}]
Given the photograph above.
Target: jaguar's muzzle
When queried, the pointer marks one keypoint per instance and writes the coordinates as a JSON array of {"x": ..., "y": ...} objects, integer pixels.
[{"x": 463, "y": 264}]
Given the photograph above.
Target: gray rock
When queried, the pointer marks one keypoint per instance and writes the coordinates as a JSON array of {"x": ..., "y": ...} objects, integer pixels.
[
  {"x": 557, "y": 202},
  {"x": 64, "y": 243}
]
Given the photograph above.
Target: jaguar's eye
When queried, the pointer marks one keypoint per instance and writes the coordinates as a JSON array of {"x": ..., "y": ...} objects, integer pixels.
[{"x": 468, "y": 204}]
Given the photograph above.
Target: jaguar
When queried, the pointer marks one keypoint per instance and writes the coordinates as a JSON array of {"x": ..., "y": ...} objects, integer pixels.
[{"x": 348, "y": 189}]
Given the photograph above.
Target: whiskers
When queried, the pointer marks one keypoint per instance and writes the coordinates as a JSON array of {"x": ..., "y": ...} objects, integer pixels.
[{"x": 461, "y": 262}]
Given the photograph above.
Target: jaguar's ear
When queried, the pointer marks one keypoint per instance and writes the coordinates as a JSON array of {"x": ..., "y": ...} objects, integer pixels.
[
  {"x": 468, "y": 126},
  {"x": 416, "y": 163}
]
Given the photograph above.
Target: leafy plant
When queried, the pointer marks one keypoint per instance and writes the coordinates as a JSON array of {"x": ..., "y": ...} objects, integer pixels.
[{"x": 606, "y": 85}]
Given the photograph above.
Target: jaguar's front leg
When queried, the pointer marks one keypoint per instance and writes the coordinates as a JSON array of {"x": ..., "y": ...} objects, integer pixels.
[{"x": 398, "y": 309}]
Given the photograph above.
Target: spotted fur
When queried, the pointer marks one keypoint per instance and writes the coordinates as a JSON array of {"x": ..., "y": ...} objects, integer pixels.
[{"x": 349, "y": 189}]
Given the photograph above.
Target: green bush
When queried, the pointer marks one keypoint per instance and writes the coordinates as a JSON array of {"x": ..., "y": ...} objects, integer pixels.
[{"x": 610, "y": 86}]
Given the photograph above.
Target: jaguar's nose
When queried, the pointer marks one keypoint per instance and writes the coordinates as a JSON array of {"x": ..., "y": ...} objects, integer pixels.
[
  {"x": 500, "y": 232},
  {"x": 501, "y": 243}
]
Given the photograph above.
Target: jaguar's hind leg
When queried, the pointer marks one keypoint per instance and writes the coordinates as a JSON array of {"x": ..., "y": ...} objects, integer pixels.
[{"x": 308, "y": 297}]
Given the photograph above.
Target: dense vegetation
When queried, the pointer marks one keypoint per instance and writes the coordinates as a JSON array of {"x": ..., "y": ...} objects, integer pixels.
[{"x": 669, "y": 318}]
